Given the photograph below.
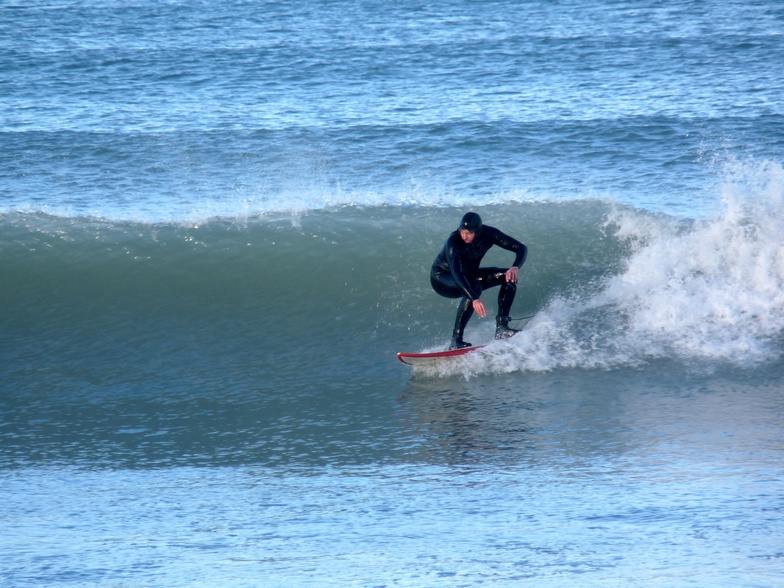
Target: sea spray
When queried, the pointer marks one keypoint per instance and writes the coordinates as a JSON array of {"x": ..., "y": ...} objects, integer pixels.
[
  {"x": 709, "y": 291},
  {"x": 714, "y": 291}
]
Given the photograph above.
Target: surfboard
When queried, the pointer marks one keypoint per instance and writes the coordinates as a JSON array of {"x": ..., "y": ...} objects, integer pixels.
[
  {"x": 432, "y": 358},
  {"x": 422, "y": 359}
]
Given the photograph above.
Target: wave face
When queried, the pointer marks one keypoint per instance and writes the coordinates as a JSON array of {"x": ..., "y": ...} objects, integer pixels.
[{"x": 609, "y": 285}]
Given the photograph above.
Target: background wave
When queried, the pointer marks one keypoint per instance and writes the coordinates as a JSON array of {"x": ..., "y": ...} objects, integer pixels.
[{"x": 661, "y": 163}]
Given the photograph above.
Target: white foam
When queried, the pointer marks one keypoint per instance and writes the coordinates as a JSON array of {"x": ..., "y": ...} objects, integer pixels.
[{"x": 710, "y": 291}]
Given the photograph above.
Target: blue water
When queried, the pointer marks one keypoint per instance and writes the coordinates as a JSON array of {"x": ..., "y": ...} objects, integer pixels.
[{"x": 216, "y": 226}]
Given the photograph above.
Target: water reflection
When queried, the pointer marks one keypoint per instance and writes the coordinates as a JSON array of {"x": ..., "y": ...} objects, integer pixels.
[
  {"x": 593, "y": 419},
  {"x": 579, "y": 420},
  {"x": 514, "y": 418}
]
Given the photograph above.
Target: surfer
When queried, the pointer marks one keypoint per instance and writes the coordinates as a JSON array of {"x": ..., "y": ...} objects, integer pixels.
[{"x": 456, "y": 274}]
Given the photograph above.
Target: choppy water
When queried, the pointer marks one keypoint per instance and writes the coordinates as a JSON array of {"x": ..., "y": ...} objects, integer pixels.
[{"x": 216, "y": 227}]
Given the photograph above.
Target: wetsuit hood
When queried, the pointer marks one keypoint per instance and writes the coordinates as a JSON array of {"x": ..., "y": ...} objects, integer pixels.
[{"x": 471, "y": 222}]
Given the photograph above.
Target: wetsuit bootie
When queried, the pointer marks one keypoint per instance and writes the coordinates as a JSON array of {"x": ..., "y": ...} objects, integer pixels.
[
  {"x": 502, "y": 328},
  {"x": 458, "y": 344}
]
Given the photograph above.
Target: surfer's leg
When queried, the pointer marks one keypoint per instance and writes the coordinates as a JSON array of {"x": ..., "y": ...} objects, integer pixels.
[
  {"x": 489, "y": 278},
  {"x": 465, "y": 311},
  {"x": 446, "y": 286},
  {"x": 505, "y": 298}
]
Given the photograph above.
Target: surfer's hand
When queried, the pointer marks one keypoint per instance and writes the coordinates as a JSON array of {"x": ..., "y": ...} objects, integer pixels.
[
  {"x": 511, "y": 274},
  {"x": 479, "y": 307}
]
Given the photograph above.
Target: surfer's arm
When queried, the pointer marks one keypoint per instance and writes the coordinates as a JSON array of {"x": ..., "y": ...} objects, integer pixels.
[
  {"x": 504, "y": 241},
  {"x": 510, "y": 244},
  {"x": 458, "y": 274},
  {"x": 520, "y": 256}
]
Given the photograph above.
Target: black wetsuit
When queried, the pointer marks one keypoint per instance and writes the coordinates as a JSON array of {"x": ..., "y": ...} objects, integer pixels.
[{"x": 456, "y": 273}]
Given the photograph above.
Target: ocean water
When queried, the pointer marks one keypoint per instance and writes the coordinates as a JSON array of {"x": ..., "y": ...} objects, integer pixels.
[{"x": 216, "y": 226}]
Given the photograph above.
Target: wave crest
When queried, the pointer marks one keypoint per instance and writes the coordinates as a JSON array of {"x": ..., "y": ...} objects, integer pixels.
[{"x": 707, "y": 291}]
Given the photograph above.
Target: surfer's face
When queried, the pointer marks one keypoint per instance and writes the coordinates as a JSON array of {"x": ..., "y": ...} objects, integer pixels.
[{"x": 467, "y": 235}]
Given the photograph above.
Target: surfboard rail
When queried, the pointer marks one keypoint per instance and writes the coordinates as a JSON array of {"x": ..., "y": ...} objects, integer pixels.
[{"x": 419, "y": 359}]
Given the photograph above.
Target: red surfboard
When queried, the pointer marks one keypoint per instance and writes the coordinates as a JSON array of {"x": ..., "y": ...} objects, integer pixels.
[{"x": 420, "y": 359}]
